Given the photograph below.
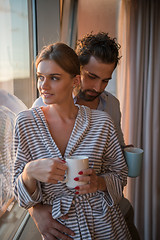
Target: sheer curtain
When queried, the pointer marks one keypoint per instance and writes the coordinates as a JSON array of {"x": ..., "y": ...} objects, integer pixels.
[{"x": 139, "y": 93}]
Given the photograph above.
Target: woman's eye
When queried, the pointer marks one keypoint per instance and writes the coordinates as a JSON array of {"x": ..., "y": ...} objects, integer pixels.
[{"x": 40, "y": 78}]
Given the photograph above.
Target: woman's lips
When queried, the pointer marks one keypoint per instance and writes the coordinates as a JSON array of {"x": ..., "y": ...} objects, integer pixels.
[{"x": 46, "y": 95}]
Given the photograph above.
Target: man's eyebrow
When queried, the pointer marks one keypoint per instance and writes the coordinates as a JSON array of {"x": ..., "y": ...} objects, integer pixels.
[
  {"x": 90, "y": 73},
  {"x": 94, "y": 75}
]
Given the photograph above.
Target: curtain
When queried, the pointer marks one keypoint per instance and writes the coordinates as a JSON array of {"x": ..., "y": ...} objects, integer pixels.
[
  {"x": 69, "y": 22},
  {"x": 139, "y": 94}
]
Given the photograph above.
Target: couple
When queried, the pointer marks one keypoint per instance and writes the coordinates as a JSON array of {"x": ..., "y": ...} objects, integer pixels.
[{"x": 93, "y": 211}]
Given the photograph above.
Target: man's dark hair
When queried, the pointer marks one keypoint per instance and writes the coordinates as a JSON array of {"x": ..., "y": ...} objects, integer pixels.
[{"x": 100, "y": 46}]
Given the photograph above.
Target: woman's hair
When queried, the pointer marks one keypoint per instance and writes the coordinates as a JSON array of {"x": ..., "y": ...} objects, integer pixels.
[
  {"x": 100, "y": 46},
  {"x": 63, "y": 55}
]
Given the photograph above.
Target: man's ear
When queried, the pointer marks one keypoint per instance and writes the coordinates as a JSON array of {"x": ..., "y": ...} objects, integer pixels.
[
  {"x": 76, "y": 81},
  {"x": 76, "y": 85}
]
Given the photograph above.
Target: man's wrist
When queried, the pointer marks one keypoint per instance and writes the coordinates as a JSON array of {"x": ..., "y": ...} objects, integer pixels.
[
  {"x": 35, "y": 207},
  {"x": 127, "y": 146}
]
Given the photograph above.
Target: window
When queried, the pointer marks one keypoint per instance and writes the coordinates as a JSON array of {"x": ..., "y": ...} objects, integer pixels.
[
  {"x": 17, "y": 50},
  {"x": 16, "y": 58},
  {"x": 26, "y": 25}
]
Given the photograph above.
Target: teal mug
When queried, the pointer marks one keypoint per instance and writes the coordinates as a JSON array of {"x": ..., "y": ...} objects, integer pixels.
[{"x": 134, "y": 157}]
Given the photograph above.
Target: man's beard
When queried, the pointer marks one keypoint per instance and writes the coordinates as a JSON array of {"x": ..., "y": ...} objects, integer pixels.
[{"x": 83, "y": 95}]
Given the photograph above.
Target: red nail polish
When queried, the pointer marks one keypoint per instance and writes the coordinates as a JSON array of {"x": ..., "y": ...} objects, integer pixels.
[
  {"x": 77, "y": 188},
  {"x": 76, "y": 179},
  {"x": 76, "y": 192},
  {"x": 80, "y": 173}
]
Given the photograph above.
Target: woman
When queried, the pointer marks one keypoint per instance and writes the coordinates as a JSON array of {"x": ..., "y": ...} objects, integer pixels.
[{"x": 45, "y": 136}]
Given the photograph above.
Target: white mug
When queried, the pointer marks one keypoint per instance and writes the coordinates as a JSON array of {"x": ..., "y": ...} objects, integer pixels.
[{"x": 75, "y": 165}]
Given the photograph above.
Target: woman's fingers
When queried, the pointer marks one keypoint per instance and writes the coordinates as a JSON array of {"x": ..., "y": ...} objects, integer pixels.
[
  {"x": 49, "y": 170},
  {"x": 58, "y": 172},
  {"x": 89, "y": 176},
  {"x": 86, "y": 175},
  {"x": 61, "y": 165},
  {"x": 88, "y": 171}
]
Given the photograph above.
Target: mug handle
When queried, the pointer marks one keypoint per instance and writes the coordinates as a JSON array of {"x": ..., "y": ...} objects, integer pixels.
[{"x": 66, "y": 179}]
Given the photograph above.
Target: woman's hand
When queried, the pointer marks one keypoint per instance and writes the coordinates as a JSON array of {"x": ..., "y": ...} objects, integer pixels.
[
  {"x": 48, "y": 170},
  {"x": 94, "y": 184}
]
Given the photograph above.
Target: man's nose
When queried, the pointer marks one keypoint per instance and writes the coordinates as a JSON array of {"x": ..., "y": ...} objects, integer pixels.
[{"x": 97, "y": 86}]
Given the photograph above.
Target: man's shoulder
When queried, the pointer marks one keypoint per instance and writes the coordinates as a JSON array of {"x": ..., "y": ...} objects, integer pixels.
[
  {"x": 38, "y": 102},
  {"x": 110, "y": 97}
]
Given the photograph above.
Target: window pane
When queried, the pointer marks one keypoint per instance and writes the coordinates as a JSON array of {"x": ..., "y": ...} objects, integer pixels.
[
  {"x": 14, "y": 58},
  {"x": 15, "y": 78}
]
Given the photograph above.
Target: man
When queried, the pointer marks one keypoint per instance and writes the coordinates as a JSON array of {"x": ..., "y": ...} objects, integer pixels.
[{"x": 98, "y": 56}]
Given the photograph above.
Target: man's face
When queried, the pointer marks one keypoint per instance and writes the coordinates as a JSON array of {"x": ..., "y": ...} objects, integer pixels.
[{"x": 94, "y": 78}]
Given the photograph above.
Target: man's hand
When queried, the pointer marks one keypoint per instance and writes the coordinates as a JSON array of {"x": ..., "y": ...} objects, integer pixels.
[
  {"x": 127, "y": 146},
  {"x": 50, "y": 228}
]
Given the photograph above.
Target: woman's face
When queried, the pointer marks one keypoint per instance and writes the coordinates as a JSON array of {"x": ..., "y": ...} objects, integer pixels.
[{"x": 54, "y": 84}]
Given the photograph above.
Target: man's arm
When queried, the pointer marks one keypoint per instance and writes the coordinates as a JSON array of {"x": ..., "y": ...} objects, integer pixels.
[
  {"x": 113, "y": 109},
  {"x": 50, "y": 228}
]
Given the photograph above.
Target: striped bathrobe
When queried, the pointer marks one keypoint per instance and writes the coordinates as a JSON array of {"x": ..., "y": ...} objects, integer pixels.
[{"x": 90, "y": 216}]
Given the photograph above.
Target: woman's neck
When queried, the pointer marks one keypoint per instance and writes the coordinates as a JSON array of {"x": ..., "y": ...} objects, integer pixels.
[{"x": 65, "y": 112}]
